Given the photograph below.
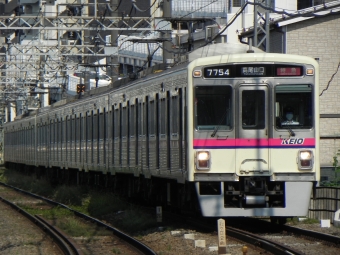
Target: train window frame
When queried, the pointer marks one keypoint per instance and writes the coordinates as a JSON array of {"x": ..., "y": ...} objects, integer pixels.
[
  {"x": 227, "y": 113},
  {"x": 301, "y": 103}
]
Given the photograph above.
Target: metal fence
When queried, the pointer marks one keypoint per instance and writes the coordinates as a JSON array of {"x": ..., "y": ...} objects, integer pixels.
[
  {"x": 325, "y": 203},
  {"x": 199, "y": 8}
]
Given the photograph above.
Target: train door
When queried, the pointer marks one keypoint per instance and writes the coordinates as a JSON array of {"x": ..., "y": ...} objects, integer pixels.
[{"x": 252, "y": 141}]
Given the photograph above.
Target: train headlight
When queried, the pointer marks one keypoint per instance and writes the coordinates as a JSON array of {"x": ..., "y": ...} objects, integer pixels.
[
  {"x": 197, "y": 73},
  {"x": 305, "y": 159},
  {"x": 202, "y": 160}
]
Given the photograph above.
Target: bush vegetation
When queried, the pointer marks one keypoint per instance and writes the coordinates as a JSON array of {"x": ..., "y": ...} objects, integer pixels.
[{"x": 336, "y": 181}]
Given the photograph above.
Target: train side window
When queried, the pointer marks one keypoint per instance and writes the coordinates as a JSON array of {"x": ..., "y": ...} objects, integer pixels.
[
  {"x": 64, "y": 123},
  {"x": 73, "y": 128},
  {"x": 294, "y": 106},
  {"x": 125, "y": 122},
  {"x": 116, "y": 124},
  {"x": 59, "y": 131},
  {"x": 51, "y": 132},
  {"x": 78, "y": 129},
  {"x": 101, "y": 126},
  {"x": 151, "y": 117},
  {"x": 89, "y": 127},
  {"x": 105, "y": 124},
  {"x": 175, "y": 115},
  {"x": 68, "y": 129},
  {"x": 140, "y": 119},
  {"x": 146, "y": 127},
  {"x": 95, "y": 127},
  {"x": 45, "y": 133},
  {"x": 132, "y": 121},
  {"x": 162, "y": 116}
]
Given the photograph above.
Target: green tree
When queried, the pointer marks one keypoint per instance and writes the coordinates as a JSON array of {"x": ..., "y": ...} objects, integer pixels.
[{"x": 336, "y": 171}]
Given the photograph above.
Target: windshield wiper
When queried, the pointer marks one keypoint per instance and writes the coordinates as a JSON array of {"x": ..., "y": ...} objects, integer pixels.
[
  {"x": 219, "y": 123},
  {"x": 291, "y": 132}
]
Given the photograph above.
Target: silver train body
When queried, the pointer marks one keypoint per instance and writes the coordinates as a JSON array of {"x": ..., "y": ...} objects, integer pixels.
[{"x": 217, "y": 124}]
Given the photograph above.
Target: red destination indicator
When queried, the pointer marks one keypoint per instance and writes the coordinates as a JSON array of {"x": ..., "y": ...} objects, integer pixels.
[{"x": 288, "y": 71}]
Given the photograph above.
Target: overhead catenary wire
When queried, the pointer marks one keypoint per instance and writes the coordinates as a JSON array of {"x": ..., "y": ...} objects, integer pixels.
[{"x": 138, "y": 9}]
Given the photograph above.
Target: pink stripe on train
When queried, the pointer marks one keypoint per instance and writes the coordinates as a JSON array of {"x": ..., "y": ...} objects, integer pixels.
[{"x": 254, "y": 143}]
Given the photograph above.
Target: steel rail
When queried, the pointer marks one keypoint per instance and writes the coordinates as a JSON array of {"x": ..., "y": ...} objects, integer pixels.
[
  {"x": 310, "y": 233},
  {"x": 263, "y": 243},
  {"x": 335, "y": 240}
]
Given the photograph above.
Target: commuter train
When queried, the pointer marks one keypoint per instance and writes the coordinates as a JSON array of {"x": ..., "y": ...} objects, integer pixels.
[{"x": 228, "y": 133}]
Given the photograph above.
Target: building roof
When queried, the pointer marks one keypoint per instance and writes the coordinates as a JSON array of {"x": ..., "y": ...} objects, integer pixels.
[{"x": 284, "y": 18}]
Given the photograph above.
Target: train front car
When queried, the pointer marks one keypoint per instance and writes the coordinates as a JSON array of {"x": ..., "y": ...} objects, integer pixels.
[{"x": 254, "y": 134}]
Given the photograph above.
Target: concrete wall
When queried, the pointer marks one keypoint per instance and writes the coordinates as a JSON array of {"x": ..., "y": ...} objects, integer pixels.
[{"x": 319, "y": 38}]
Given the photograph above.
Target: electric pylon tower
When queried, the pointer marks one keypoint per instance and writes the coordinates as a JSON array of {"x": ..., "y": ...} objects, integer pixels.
[{"x": 262, "y": 25}]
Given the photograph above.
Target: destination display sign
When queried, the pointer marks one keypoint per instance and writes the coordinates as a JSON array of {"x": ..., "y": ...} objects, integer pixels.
[{"x": 252, "y": 70}]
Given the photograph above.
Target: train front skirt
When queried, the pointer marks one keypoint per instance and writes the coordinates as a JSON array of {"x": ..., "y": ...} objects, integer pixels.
[{"x": 297, "y": 199}]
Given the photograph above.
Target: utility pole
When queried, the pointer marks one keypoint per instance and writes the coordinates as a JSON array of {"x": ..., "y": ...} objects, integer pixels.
[
  {"x": 168, "y": 59},
  {"x": 112, "y": 60},
  {"x": 85, "y": 36},
  {"x": 44, "y": 98}
]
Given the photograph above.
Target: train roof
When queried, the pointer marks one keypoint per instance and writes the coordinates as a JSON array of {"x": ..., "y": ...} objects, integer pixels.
[
  {"x": 219, "y": 49},
  {"x": 206, "y": 51}
]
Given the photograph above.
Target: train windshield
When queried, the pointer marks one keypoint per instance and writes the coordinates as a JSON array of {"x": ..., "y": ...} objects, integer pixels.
[
  {"x": 213, "y": 107},
  {"x": 294, "y": 107}
]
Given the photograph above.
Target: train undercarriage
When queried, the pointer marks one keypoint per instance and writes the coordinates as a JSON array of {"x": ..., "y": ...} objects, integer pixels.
[{"x": 250, "y": 197}]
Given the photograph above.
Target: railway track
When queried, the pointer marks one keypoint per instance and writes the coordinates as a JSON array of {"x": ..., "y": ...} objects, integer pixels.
[
  {"x": 66, "y": 243},
  {"x": 283, "y": 239},
  {"x": 297, "y": 232},
  {"x": 268, "y": 237},
  {"x": 261, "y": 235}
]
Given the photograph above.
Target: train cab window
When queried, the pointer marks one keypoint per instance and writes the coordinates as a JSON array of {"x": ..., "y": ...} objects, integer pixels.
[
  {"x": 294, "y": 107},
  {"x": 212, "y": 107}
]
